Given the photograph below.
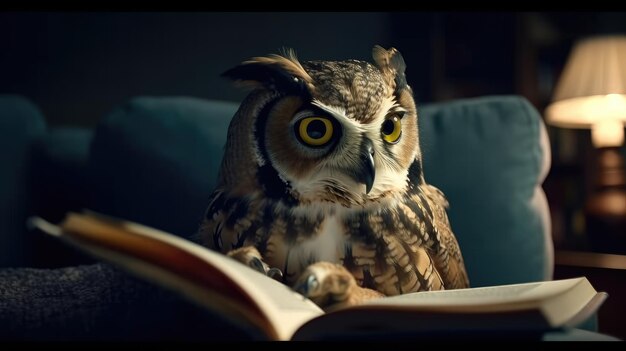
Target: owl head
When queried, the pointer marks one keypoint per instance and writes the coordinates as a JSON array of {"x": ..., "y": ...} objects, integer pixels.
[{"x": 323, "y": 131}]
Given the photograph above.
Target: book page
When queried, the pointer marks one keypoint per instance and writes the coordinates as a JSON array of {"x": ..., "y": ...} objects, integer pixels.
[
  {"x": 524, "y": 294},
  {"x": 210, "y": 278},
  {"x": 516, "y": 308},
  {"x": 285, "y": 308},
  {"x": 558, "y": 301},
  {"x": 225, "y": 285}
]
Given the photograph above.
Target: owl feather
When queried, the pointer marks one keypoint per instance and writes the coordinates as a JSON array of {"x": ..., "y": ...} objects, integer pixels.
[
  {"x": 284, "y": 72},
  {"x": 322, "y": 181}
]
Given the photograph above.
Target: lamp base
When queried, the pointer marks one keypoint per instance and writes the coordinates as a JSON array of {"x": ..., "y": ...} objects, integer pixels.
[{"x": 605, "y": 209}]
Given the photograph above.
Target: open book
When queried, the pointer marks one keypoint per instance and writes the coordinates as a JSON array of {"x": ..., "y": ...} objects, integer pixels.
[{"x": 250, "y": 298}]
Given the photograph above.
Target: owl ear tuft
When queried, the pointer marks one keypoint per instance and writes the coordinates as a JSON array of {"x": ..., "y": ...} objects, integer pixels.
[
  {"x": 281, "y": 72},
  {"x": 392, "y": 64}
]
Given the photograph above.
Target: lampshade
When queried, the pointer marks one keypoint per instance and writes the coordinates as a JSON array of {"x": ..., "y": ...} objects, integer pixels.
[{"x": 591, "y": 92}]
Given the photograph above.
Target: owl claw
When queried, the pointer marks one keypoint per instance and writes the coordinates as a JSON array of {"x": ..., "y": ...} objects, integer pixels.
[
  {"x": 326, "y": 284},
  {"x": 258, "y": 265},
  {"x": 275, "y": 274},
  {"x": 309, "y": 285},
  {"x": 331, "y": 286}
]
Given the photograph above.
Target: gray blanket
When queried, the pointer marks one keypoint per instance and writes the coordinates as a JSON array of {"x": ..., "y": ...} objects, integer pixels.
[{"x": 100, "y": 302}]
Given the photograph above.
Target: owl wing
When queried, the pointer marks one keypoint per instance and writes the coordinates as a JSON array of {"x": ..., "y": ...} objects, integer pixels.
[
  {"x": 228, "y": 223},
  {"x": 210, "y": 231},
  {"x": 447, "y": 253}
]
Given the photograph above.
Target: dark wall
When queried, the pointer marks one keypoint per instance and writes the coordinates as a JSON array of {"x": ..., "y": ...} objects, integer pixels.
[{"x": 77, "y": 66}]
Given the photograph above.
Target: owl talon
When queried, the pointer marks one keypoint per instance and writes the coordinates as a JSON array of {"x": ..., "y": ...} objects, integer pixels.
[
  {"x": 308, "y": 286},
  {"x": 258, "y": 265},
  {"x": 331, "y": 286},
  {"x": 327, "y": 284},
  {"x": 251, "y": 257},
  {"x": 275, "y": 274}
]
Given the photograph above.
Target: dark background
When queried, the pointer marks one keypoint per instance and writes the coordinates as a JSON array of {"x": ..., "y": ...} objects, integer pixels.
[{"x": 77, "y": 66}]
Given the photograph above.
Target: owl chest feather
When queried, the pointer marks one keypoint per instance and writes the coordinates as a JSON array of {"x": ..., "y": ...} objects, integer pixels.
[
  {"x": 289, "y": 238},
  {"x": 370, "y": 242},
  {"x": 326, "y": 244}
]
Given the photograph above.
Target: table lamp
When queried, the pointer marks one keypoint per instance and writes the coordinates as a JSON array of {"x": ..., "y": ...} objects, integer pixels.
[{"x": 591, "y": 93}]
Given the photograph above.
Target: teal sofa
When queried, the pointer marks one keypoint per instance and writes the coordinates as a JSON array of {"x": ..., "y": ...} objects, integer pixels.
[{"x": 154, "y": 160}]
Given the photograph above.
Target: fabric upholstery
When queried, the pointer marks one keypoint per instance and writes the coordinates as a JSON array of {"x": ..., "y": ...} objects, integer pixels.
[
  {"x": 155, "y": 160},
  {"x": 21, "y": 122},
  {"x": 490, "y": 155},
  {"x": 60, "y": 183},
  {"x": 100, "y": 302}
]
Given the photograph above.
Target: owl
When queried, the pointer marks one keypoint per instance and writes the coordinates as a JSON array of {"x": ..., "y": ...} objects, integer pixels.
[{"x": 321, "y": 183}]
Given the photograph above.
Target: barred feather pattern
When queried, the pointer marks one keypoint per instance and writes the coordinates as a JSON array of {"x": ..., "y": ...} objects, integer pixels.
[
  {"x": 402, "y": 248},
  {"x": 298, "y": 205}
]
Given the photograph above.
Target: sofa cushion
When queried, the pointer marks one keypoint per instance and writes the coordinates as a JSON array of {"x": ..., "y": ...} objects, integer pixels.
[
  {"x": 155, "y": 160},
  {"x": 21, "y": 123},
  {"x": 60, "y": 183},
  {"x": 489, "y": 155},
  {"x": 60, "y": 160}
]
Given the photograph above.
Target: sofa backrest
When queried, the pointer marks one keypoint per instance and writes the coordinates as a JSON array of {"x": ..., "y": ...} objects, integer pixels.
[
  {"x": 155, "y": 160},
  {"x": 21, "y": 123},
  {"x": 490, "y": 155}
]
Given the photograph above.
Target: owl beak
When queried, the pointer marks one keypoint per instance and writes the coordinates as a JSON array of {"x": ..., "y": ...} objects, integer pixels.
[{"x": 367, "y": 172}]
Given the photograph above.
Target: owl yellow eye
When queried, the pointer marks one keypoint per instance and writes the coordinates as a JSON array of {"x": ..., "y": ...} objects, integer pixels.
[
  {"x": 315, "y": 131},
  {"x": 392, "y": 130}
]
